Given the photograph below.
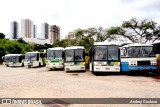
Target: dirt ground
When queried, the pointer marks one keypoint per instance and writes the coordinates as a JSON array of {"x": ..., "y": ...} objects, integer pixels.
[{"x": 21, "y": 82}]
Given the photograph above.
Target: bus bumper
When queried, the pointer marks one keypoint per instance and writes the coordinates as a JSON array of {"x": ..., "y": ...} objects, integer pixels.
[
  {"x": 75, "y": 68},
  {"x": 106, "y": 69},
  {"x": 54, "y": 66}
]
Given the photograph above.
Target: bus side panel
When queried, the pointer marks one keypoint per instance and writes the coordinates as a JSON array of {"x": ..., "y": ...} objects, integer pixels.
[{"x": 124, "y": 67}]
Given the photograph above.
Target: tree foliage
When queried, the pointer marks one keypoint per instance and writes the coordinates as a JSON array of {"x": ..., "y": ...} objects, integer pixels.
[
  {"x": 13, "y": 47},
  {"x": 136, "y": 31}
]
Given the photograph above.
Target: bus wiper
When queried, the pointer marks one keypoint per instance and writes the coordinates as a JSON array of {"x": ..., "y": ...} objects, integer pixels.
[{"x": 111, "y": 57}]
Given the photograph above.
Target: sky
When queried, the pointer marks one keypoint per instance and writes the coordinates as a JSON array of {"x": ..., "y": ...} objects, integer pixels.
[{"x": 70, "y": 15}]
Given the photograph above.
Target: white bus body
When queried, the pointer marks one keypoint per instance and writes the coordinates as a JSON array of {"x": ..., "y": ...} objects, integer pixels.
[
  {"x": 138, "y": 57},
  {"x": 16, "y": 60},
  {"x": 34, "y": 59},
  {"x": 74, "y": 58},
  {"x": 55, "y": 58},
  {"x": 104, "y": 57}
]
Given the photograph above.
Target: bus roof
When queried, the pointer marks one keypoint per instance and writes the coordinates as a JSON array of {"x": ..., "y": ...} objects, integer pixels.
[
  {"x": 16, "y": 54},
  {"x": 56, "y": 48},
  {"x": 136, "y": 44},
  {"x": 105, "y": 43},
  {"x": 75, "y": 47},
  {"x": 33, "y": 52}
]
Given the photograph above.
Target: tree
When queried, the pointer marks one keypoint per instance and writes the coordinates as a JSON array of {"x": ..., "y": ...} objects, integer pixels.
[
  {"x": 137, "y": 31},
  {"x": 2, "y": 36}
]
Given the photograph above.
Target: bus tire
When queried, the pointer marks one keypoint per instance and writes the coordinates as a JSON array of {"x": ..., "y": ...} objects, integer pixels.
[
  {"x": 29, "y": 66},
  {"x": 22, "y": 64},
  {"x": 39, "y": 64},
  {"x": 7, "y": 65}
]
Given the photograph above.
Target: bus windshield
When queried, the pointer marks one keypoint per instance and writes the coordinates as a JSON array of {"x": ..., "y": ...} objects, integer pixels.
[
  {"x": 104, "y": 53},
  {"x": 31, "y": 56},
  {"x": 54, "y": 54},
  {"x": 100, "y": 53},
  {"x": 6, "y": 58},
  {"x": 79, "y": 55},
  {"x": 113, "y": 53},
  {"x": 148, "y": 50},
  {"x": 69, "y": 54},
  {"x": 138, "y": 51},
  {"x": 134, "y": 51}
]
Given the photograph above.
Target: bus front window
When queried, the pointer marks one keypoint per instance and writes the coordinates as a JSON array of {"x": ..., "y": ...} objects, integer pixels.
[
  {"x": 100, "y": 53},
  {"x": 134, "y": 51},
  {"x": 6, "y": 58},
  {"x": 69, "y": 55},
  {"x": 50, "y": 55},
  {"x": 113, "y": 53},
  {"x": 79, "y": 55},
  {"x": 58, "y": 54},
  {"x": 31, "y": 56},
  {"x": 147, "y": 51}
]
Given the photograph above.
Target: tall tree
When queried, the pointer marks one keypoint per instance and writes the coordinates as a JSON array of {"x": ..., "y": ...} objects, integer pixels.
[{"x": 137, "y": 31}]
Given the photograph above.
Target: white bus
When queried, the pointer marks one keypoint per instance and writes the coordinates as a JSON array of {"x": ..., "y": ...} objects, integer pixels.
[
  {"x": 138, "y": 57},
  {"x": 16, "y": 60},
  {"x": 55, "y": 58},
  {"x": 104, "y": 57},
  {"x": 74, "y": 58},
  {"x": 35, "y": 59}
]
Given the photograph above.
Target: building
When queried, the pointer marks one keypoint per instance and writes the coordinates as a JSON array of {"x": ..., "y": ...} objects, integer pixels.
[
  {"x": 54, "y": 33},
  {"x": 45, "y": 31},
  {"x": 14, "y": 30},
  {"x": 27, "y": 28}
]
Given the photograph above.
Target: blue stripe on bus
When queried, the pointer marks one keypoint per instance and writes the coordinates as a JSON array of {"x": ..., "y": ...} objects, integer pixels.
[{"x": 148, "y": 67}]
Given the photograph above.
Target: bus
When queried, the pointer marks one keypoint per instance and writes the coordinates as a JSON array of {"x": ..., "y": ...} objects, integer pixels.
[
  {"x": 156, "y": 46},
  {"x": 74, "y": 58},
  {"x": 55, "y": 58},
  {"x": 35, "y": 59},
  {"x": 104, "y": 57},
  {"x": 138, "y": 57},
  {"x": 16, "y": 60},
  {"x": 6, "y": 59}
]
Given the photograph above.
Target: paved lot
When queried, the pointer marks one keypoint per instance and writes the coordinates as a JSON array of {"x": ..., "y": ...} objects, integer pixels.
[{"x": 21, "y": 82}]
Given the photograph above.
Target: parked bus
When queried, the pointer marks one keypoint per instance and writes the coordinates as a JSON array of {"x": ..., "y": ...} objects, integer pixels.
[
  {"x": 16, "y": 60},
  {"x": 6, "y": 59},
  {"x": 157, "y": 52},
  {"x": 104, "y": 57},
  {"x": 35, "y": 59},
  {"x": 74, "y": 58},
  {"x": 138, "y": 57},
  {"x": 55, "y": 58}
]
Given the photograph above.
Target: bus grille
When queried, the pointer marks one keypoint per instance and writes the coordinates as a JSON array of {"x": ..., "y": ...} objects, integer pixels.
[{"x": 143, "y": 63}]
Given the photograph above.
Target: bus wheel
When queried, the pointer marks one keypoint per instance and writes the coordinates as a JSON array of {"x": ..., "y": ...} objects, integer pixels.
[
  {"x": 50, "y": 69},
  {"x": 7, "y": 65},
  {"x": 22, "y": 64},
  {"x": 29, "y": 66},
  {"x": 39, "y": 64}
]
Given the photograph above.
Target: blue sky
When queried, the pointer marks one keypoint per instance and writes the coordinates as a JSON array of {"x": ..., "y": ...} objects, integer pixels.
[{"x": 73, "y": 14}]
